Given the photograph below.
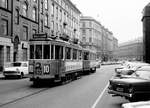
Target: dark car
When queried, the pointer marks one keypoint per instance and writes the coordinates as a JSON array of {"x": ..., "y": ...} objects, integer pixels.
[{"x": 133, "y": 87}]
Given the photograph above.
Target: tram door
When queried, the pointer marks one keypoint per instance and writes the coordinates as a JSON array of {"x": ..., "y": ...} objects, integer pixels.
[{"x": 58, "y": 58}]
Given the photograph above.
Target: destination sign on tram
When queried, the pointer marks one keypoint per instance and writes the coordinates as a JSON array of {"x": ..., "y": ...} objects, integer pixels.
[{"x": 40, "y": 35}]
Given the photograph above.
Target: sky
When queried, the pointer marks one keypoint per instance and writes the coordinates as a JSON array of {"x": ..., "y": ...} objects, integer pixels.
[{"x": 121, "y": 17}]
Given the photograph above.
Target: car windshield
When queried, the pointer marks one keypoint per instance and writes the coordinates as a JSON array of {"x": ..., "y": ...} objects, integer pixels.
[
  {"x": 142, "y": 74},
  {"x": 15, "y": 64}
]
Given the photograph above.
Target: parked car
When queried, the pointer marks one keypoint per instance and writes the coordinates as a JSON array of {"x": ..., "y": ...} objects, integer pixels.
[
  {"x": 19, "y": 69},
  {"x": 130, "y": 68},
  {"x": 134, "y": 87},
  {"x": 141, "y": 104},
  {"x": 98, "y": 64},
  {"x": 123, "y": 65}
]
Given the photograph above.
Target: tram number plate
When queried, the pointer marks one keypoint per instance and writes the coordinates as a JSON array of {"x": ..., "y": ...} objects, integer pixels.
[{"x": 46, "y": 69}]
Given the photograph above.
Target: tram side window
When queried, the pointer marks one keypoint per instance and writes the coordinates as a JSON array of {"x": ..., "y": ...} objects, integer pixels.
[
  {"x": 86, "y": 56},
  {"x": 74, "y": 54},
  {"x": 31, "y": 51},
  {"x": 68, "y": 53},
  {"x": 38, "y": 52},
  {"x": 46, "y": 52},
  {"x": 80, "y": 54},
  {"x": 58, "y": 52},
  {"x": 52, "y": 51}
]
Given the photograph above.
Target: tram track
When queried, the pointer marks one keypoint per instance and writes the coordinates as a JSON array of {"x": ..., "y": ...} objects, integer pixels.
[{"x": 23, "y": 97}]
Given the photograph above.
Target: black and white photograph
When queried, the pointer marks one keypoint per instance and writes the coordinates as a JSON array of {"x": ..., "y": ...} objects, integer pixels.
[{"x": 74, "y": 54}]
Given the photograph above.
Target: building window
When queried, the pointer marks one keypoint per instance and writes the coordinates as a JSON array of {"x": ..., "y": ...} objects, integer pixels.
[
  {"x": 83, "y": 24},
  {"x": 90, "y": 39},
  {"x": 33, "y": 31},
  {"x": 83, "y": 32},
  {"x": 24, "y": 57},
  {"x": 25, "y": 9},
  {"x": 4, "y": 27},
  {"x": 8, "y": 53},
  {"x": 57, "y": 13},
  {"x": 60, "y": 15},
  {"x": 25, "y": 33},
  {"x": 42, "y": 7},
  {"x": 90, "y": 24},
  {"x": 46, "y": 20},
  {"x": 4, "y": 3},
  {"x": 17, "y": 16},
  {"x": 34, "y": 14},
  {"x": 46, "y": 4},
  {"x": 52, "y": 10},
  {"x": 42, "y": 25},
  {"x": 84, "y": 39},
  {"x": 52, "y": 25}
]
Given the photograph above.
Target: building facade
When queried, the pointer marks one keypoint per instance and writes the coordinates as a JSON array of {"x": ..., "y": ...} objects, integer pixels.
[
  {"x": 131, "y": 50},
  {"x": 146, "y": 33},
  {"x": 21, "y": 19},
  {"x": 90, "y": 32},
  {"x": 96, "y": 37}
]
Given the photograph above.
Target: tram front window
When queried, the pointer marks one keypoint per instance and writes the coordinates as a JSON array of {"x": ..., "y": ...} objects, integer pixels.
[
  {"x": 46, "y": 52},
  {"x": 58, "y": 52},
  {"x": 68, "y": 53},
  {"x": 86, "y": 56},
  {"x": 38, "y": 52}
]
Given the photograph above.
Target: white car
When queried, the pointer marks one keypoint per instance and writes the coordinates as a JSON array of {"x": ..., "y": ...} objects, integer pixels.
[
  {"x": 130, "y": 68},
  {"x": 19, "y": 69},
  {"x": 142, "y": 104}
]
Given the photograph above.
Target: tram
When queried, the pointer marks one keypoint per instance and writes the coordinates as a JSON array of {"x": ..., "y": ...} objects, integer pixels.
[{"x": 57, "y": 60}]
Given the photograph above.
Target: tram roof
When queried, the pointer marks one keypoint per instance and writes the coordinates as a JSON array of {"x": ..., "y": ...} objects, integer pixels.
[
  {"x": 57, "y": 41},
  {"x": 89, "y": 50}
]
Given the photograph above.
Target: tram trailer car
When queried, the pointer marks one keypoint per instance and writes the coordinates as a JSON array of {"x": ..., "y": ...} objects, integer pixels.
[
  {"x": 89, "y": 61},
  {"x": 57, "y": 60}
]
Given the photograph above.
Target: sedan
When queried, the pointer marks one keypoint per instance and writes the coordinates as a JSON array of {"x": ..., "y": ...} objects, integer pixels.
[
  {"x": 19, "y": 69},
  {"x": 135, "y": 87}
]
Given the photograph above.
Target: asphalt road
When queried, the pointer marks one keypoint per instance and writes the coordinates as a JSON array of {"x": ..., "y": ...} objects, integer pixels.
[{"x": 90, "y": 91}]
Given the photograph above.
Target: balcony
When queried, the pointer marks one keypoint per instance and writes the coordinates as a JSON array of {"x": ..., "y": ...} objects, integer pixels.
[
  {"x": 64, "y": 37},
  {"x": 75, "y": 40},
  {"x": 53, "y": 36}
]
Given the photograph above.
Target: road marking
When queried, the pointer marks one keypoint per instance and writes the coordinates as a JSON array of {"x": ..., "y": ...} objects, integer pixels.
[{"x": 100, "y": 96}]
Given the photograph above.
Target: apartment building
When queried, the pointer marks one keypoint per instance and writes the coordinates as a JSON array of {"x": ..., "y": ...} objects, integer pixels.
[
  {"x": 96, "y": 37},
  {"x": 131, "y": 50},
  {"x": 21, "y": 19}
]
